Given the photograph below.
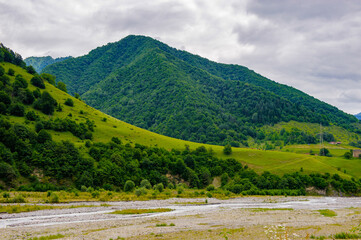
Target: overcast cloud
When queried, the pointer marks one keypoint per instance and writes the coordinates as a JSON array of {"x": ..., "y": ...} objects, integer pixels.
[{"x": 314, "y": 46}]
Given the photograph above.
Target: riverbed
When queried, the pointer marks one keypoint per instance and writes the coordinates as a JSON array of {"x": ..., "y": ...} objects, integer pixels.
[{"x": 246, "y": 216}]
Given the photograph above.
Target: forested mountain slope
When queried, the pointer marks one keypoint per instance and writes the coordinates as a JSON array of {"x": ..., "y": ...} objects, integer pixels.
[
  {"x": 39, "y": 63},
  {"x": 151, "y": 85}
]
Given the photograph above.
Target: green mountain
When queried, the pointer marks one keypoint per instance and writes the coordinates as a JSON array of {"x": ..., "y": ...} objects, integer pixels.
[
  {"x": 51, "y": 141},
  {"x": 151, "y": 85},
  {"x": 39, "y": 63}
]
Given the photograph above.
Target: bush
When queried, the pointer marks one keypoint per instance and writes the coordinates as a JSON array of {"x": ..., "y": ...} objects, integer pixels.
[
  {"x": 37, "y": 81},
  {"x": 159, "y": 187},
  {"x": 129, "y": 186},
  {"x": 2, "y": 71},
  {"x": 83, "y": 188},
  {"x": 54, "y": 198},
  {"x": 11, "y": 72},
  {"x": 145, "y": 184},
  {"x": 44, "y": 136},
  {"x": 227, "y": 149},
  {"x": 38, "y": 126},
  {"x": 62, "y": 86},
  {"x": 140, "y": 191},
  {"x": 31, "y": 116},
  {"x": 4, "y": 98},
  {"x": 17, "y": 110},
  {"x": 210, "y": 188},
  {"x": 69, "y": 102}
]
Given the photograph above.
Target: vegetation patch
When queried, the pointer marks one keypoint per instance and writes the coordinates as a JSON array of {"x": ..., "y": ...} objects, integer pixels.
[
  {"x": 57, "y": 236},
  {"x": 327, "y": 213},
  {"x": 141, "y": 211},
  {"x": 31, "y": 208},
  {"x": 269, "y": 209}
]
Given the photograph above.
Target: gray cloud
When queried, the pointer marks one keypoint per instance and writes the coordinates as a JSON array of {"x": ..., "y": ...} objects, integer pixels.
[{"x": 311, "y": 45}]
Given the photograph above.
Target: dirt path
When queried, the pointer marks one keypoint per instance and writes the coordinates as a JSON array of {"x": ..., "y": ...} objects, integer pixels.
[{"x": 242, "y": 218}]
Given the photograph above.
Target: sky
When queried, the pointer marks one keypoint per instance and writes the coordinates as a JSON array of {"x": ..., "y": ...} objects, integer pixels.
[{"x": 312, "y": 45}]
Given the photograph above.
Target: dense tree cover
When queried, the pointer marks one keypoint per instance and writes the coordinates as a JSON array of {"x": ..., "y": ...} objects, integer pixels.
[
  {"x": 7, "y": 55},
  {"x": 115, "y": 165},
  {"x": 41, "y": 62},
  {"x": 146, "y": 83}
]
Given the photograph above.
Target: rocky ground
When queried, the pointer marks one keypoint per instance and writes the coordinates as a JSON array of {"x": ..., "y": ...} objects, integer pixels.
[{"x": 241, "y": 218}]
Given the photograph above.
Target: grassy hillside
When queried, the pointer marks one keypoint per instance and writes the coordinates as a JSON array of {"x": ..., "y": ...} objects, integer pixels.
[
  {"x": 151, "y": 85},
  {"x": 273, "y": 161}
]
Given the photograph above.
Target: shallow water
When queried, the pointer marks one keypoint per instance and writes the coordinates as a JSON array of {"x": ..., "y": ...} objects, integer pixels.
[{"x": 81, "y": 215}]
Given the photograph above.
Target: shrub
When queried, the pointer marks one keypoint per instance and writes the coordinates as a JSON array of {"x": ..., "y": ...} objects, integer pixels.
[
  {"x": 6, "y": 195},
  {"x": 4, "y": 98},
  {"x": 54, "y": 198},
  {"x": 69, "y": 102},
  {"x": 129, "y": 186},
  {"x": 62, "y": 86},
  {"x": 171, "y": 186},
  {"x": 2, "y": 71},
  {"x": 83, "y": 188},
  {"x": 44, "y": 136},
  {"x": 95, "y": 194},
  {"x": 159, "y": 187},
  {"x": 227, "y": 149},
  {"x": 31, "y": 116},
  {"x": 145, "y": 184},
  {"x": 140, "y": 191},
  {"x": 210, "y": 188},
  {"x": 17, "y": 110},
  {"x": 11, "y": 72},
  {"x": 39, "y": 126},
  {"x": 37, "y": 81}
]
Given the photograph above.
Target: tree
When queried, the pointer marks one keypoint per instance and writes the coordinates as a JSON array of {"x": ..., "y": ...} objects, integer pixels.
[
  {"x": 227, "y": 149},
  {"x": 325, "y": 152},
  {"x": 2, "y": 71},
  {"x": 37, "y": 81},
  {"x": 17, "y": 110},
  {"x": 69, "y": 102},
  {"x": 4, "y": 98},
  {"x": 48, "y": 77},
  {"x": 348, "y": 155},
  {"x": 30, "y": 70},
  {"x": 44, "y": 136},
  {"x": 46, "y": 103},
  {"x": 129, "y": 186},
  {"x": 11, "y": 72},
  {"x": 62, "y": 86}
]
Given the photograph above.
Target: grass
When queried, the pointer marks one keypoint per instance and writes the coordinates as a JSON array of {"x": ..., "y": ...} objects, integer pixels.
[
  {"x": 277, "y": 162},
  {"x": 327, "y": 212},
  {"x": 269, "y": 209},
  {"x": 141, "y": 211},
  {"x": 57, "y": 236},
  {"x": 30, "y": 208}
]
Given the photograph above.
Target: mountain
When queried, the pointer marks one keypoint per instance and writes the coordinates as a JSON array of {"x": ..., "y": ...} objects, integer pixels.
[
  {"x": 151, "y": 85},
  {"x": 51, "y": 141},
  {"x": 41, "y": 62},
  {"x": 358, "y": 116}
]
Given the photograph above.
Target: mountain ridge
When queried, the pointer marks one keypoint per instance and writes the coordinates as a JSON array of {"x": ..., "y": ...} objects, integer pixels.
[{"x": 230, "y": 101}]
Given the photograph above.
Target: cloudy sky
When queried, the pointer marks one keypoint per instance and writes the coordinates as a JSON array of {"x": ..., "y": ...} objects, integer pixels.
[{"x": 312, "y": 45}]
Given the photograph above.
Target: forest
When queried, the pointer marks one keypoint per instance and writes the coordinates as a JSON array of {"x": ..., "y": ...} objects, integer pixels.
[{"x": 153, "y": 86}]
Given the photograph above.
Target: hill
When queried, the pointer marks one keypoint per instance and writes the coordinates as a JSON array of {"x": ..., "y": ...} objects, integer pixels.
[
  {"x": 358, "y": 116},
  {"x": 153, "y": 86},
  {"x": 39, "y": 63},
  {"x": 47, "y": 143}
]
